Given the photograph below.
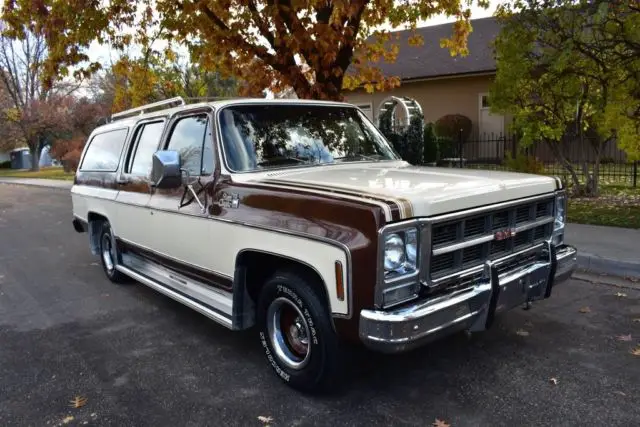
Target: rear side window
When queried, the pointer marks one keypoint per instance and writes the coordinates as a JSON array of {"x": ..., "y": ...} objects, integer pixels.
[
  {"x": 188, "y": 137},
  {"x": 103, "y": 153},
  {"x": 147, "y": 141}
]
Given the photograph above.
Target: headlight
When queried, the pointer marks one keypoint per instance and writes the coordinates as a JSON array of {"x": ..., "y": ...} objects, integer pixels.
[
  {"x": 560, "y": 219},
  {"x": 561, "y": 212},
  {"x": 394, "y": 254},
  {"x": 401, "y": 252},
  {"x": 400, "y": 280},
  {"x": 411, "y": 245}
]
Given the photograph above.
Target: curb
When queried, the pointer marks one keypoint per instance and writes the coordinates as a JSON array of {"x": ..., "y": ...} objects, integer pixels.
[
  {"x": 36, "y": 184},
  {"x": 597, "y": 264}
]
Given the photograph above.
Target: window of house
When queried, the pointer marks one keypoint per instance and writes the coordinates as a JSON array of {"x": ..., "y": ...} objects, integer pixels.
[
  {"x": 147, "y": 141},
  {"x": 103, "y": 153},
  {"x": 189, "y": 138},
  {"x": 484, "y": 100}
]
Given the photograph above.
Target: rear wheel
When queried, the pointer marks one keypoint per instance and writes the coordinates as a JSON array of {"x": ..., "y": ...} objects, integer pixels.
[
  {"x": 109, "y": 255},
  {"x": 296, "y": 333}
]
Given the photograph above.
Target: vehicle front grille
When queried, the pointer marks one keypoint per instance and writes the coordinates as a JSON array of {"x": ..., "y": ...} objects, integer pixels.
[{"x": 470, "y": 241}]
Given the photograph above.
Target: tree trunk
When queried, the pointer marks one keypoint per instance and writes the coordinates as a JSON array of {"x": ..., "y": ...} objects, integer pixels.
[
  {"x": 34, "y": 149},
  {"x": 566, "y": 163}
]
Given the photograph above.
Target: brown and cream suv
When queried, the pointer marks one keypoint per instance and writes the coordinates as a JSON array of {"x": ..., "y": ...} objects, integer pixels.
[{"x": 299, "y": 218}]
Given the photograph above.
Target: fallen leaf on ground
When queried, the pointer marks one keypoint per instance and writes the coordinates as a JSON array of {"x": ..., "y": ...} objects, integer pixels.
[
  {"x": 585, "y": 310},
  {"x": 621, "y": 294},
  {"x": 624, "y": 337},
  {"x": 621, "y": 393},
  {"x": 522, "y": 333},
  {"x": 264, "y": 419},
  {"x": 440, "y": 423},
  {"x": 78, "y": 402},
  {"x": 636, "y": 351},
  {"x": 67, "y": 420},
  {"x": 553, "y": 381}
]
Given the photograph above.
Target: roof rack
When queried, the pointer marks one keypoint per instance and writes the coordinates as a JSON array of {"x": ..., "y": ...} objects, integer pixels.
[
  {"x": 211, "y": 98},
  {"x": 146, "y": 108}
]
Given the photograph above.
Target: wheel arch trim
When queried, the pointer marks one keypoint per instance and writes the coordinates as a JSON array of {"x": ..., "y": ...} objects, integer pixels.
[{"x": 239, "y": 283}]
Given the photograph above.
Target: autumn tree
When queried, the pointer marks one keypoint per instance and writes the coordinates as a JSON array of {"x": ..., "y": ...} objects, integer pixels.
[
  {"x": 305, "y": 45},
  {"x": 83, "y": 115},
  {"x": 31, "y": 114},
  {"x": 161, "y": 75},
  {"x": 569, "y": 71}
]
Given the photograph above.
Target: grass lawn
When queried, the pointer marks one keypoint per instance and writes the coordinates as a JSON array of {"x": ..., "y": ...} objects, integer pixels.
[
  {"x": 617, "y": 206},
  {"x": 46, "y": 173}
]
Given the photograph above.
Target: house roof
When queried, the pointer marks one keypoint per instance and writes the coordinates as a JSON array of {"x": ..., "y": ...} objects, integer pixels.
[{"x": 430, "y": 60}]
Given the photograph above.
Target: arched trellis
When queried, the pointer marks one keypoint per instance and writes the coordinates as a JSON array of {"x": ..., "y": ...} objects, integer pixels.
[{"x": 388, "y": 118}]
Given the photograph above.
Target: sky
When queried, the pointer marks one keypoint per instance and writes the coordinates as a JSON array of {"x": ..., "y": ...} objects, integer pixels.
[{"x": 104, "y": 55}]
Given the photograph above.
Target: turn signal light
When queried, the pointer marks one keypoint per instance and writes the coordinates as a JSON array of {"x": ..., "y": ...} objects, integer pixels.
[{"x": 339, "y": 281}]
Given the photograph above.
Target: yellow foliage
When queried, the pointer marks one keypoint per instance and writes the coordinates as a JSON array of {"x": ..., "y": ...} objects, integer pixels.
[{"x": 257, "y": 42}]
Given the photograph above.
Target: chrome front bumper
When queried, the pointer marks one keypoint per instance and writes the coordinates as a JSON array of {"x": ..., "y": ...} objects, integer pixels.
[{"x": 404, "y": 328}]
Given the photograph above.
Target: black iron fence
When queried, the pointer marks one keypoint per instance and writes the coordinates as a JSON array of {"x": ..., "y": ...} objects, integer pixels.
[{"x": 498, "y": 152}]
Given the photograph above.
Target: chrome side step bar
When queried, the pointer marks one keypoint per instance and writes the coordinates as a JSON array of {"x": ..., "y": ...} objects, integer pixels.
[{"x": 202, "y": 309}]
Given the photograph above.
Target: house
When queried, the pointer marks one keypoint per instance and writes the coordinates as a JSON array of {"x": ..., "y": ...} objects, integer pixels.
[{"x": 440, "y": 83}]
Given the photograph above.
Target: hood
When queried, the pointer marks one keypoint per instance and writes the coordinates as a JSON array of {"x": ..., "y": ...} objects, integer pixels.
[{"x": 416, "y": 190}]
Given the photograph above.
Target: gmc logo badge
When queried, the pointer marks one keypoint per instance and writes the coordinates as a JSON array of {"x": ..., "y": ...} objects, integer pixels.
[{"x": 504, "y": 234}]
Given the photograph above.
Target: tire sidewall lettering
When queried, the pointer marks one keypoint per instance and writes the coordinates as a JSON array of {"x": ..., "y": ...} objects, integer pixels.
[
  {"x": 293, "y": 295},
  {"x": 272, "y": 360}
]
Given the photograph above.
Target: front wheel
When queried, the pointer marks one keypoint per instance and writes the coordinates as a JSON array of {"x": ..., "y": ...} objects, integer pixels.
[{"x": 296, "y": 333}]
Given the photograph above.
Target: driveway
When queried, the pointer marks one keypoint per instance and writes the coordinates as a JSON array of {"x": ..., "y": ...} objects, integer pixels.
[{"x": 141, "y": 359}]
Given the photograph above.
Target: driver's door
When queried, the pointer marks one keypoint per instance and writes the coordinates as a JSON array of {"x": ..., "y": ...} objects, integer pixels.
[{"x": 183, "y": 232}]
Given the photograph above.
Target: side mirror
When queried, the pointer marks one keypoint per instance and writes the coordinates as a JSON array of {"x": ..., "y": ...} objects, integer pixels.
[{"x": 165, "y": 171}]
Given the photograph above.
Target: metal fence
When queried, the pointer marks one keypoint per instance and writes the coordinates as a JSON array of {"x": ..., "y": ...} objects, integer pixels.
[{"x": 494, "y": 151}]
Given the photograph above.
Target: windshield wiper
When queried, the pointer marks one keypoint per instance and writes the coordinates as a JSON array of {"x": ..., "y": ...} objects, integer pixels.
[
  {"x": 358, "y": 156},
  {"x": 283, "y": 159}
]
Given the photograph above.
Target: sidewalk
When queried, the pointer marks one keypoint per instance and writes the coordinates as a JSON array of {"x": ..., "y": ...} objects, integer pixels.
[
  {"x": 610, "y": 250},
  {"x": 38, "y": 182}
]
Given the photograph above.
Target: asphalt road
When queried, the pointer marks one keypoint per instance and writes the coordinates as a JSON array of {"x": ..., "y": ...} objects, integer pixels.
[{"x": 141, "y": 359}]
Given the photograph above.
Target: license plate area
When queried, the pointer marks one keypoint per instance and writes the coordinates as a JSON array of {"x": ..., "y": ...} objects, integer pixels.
[{"x": 523, "y": 285}]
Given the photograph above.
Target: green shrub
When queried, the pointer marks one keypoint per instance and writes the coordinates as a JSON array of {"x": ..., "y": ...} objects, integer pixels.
[
  {"x": 448, "y": 148},
  {"x": 385, "y": 124},
  {"x": 430, "y": 150},
  {"x": 524, "y": 163},
  {"x": 413, "y": 139},
  {"x": 5, "y": 165},
  {"x": 450, "y": 126}
]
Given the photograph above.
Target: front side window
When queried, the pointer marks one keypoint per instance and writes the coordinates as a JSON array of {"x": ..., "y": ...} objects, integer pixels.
[
  {"x": 103, "y": 152},
  {"x": 257, "y": 137},
  {"x": 188, "y": 137},
  {"x": 148, "y": 139}
]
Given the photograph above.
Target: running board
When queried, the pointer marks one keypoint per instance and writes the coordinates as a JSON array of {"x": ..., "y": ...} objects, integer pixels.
[{"x": 202, "y": 309}]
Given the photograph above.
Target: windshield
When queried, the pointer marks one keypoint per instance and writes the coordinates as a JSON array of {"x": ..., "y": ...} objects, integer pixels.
[{"x": 257, "y": 137}]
